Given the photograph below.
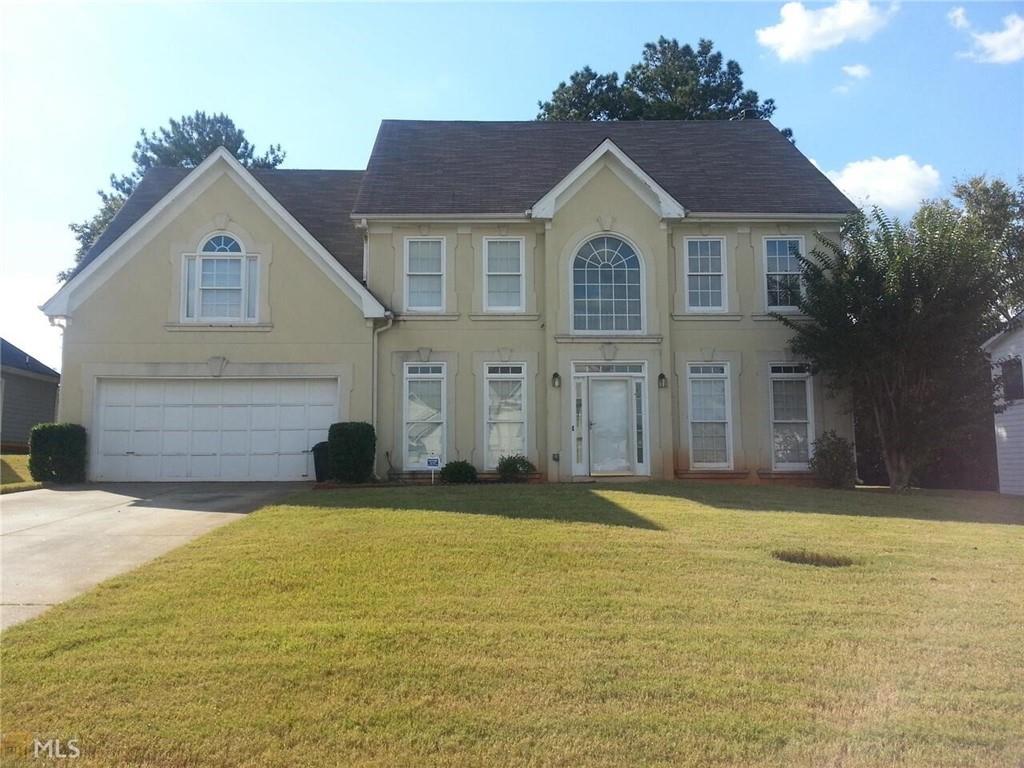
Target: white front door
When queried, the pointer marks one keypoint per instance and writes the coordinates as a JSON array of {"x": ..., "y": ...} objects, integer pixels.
[
  {"x": 211, "y": 429},
  {"x": 611, "y": 449}
]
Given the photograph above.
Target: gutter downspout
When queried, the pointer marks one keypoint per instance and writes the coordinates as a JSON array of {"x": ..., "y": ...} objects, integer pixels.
[{"x": 374, "y": 346}]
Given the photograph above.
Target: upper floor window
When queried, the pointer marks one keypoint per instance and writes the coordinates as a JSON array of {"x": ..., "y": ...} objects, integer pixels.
[
  {"x": 606, "y": 286},
  {"x": 705, "y": 274},
  {"x": 503, "y": 274},
  {"x": 782, "y": 271},
  {"x": 221, "y": 282},
  {"x": 424, "y": 274}
]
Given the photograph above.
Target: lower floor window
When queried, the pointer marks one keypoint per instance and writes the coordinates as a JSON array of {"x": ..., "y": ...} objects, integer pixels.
[
  {"x": 424, "y": 413},
  {"x": 790, "y": 404},
  {"x": 505, "y": 406},
  {"x": 710, "y": 446}
]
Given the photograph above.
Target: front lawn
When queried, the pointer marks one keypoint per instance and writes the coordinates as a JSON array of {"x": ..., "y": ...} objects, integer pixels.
[
  {"x": 550, "y": 625},
  {"x": 14, "y": 475}
]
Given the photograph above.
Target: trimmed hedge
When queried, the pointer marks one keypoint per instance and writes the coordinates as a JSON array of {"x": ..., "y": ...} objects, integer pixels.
[
  {"x": 351, "y": 446},
  {"x": 57, "y": 453},
  {"x": 515, "y": 469},
  {"x": 458, "y": 472}
]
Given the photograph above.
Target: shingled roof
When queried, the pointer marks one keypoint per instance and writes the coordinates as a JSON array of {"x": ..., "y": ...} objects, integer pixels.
[
  {"x": 13, "y": 357},
  {"x": 320, "y": 200},
  {"x": 709, "y": 166}
]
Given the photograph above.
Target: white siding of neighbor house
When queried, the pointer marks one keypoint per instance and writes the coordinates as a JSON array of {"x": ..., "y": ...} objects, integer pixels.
[{"x": 1010, "y": 423}]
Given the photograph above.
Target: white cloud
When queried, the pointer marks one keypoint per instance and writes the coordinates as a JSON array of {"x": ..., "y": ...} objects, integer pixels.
[
  {"x": 895, "y": 184},
  {"x": 958, "y": 18},
  {"x": 1001, "y": 47},
  {"x": 843, "y": 88},
  {"x": 857, "y": 71},
  {"x": 802, "y": 32}
]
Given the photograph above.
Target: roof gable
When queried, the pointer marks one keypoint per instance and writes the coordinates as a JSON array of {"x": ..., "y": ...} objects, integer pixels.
[
  {"x": 439, "y": 168},
  {"x": 607, "y": 154},
  {"x": 187, "y": 187}
]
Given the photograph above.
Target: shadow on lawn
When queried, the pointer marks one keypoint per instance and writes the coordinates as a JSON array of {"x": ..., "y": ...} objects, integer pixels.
[
  {"x": 561, "y": 503},
  {"x": 944, "y": 506}
]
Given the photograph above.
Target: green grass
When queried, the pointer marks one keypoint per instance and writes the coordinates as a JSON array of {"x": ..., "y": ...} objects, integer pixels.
[
  {"x": 14, "y": 475},
  {"x": 550, "y": 625}
]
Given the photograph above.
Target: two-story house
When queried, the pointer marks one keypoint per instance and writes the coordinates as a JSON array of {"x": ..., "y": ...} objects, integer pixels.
[{"x": 597, "y": 296}]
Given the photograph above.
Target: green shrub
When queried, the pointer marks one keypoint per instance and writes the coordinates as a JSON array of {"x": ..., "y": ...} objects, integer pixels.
[
  {"x": 458, "y": 472},
  {"x": 57, "y": 453},
  {"x": 834, "y": 462},
  {"x": 351, "y": 446},
  {"x": 515, "y": 469}
]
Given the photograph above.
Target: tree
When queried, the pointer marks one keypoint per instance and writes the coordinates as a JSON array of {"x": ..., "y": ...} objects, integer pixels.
[
  {"x": 671, "y": 82},
  {"x": 898, "y": 313},
  {"x": 183, "y": 143},
  {"x": 999, "y": 211}
]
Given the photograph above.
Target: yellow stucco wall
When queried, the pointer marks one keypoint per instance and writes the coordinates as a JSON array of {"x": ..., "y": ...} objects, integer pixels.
[{"x": 130, "y": 325}]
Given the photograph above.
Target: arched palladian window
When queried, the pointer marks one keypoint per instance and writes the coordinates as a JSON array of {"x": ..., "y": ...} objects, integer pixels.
[
  {"x": 221, "y": 281},
  {"x": 606, "y": 286}
]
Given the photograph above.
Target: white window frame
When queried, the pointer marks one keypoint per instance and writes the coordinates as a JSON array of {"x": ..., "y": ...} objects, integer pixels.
[
  {"x": 764, "y": 268},
  {"x": 521, "y": 307},
  {"x": 442, "y": 376},
  {"x": 642, "y": 330},
  {"x": 444, "y": 275},
  {"x": 250, "y": 283},
  {"x": 488, "y": 378},
  {"x": 806, "y": 377},
  {"x": 726, "y": 375},
  {"x": 724, "y": 274}
]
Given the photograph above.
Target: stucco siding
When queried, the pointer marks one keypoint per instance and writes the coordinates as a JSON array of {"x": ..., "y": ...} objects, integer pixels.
[
  {"x": 131, "y": 324},
  {"x": 27, "y": 400}
]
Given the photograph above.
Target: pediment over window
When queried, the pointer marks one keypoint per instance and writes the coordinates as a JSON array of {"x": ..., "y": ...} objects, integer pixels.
[{"x": 608, "y": 155}]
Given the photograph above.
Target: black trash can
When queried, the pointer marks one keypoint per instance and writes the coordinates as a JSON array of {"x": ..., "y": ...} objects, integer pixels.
[{"x": 320, "y": 461}]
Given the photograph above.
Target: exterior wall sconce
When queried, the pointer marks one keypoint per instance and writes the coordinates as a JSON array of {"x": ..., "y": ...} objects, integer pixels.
[
  {"x": 662, "y": 381},
  {"x": 556, "y": 380}
]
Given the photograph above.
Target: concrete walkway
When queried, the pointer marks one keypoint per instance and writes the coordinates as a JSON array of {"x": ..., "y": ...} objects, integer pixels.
[{"x": 57, "y": 543}]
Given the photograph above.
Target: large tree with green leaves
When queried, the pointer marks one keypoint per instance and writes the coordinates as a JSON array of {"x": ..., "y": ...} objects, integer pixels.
[
  {"x": 998, "y": 208},
  {"x": 183, "y": 143},
  {"x": 897, "y": 313},
  {"x": 671, "y": 82}
]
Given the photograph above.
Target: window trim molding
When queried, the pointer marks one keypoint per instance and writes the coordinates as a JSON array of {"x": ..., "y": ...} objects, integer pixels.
[
  {"x": 521, "y": 308},
  {"x": 642, "y": 330},
  {"x": 808, "y": 378},
  {"x": 488, "y": 377},
  {"x": 249, "y": 260},
  {"x": 406, "y": 378},
  {"x": 783, "y": 309},
  {"x": 724, "y": 308},
  {"x": 444, "y": 275},
  {"x": 729, "y": 448}
]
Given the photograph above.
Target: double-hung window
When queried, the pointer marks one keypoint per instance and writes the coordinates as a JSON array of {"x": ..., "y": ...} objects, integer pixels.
[
  {"x": 424, "y": 274},
  {"x": 705, "y": 274},
  {"x": 221, "y": 282},
  {"x": 505, "y": 404},
  {"x": 503, "y": 274},
  {"x": 710, "y": 416},
  {"x": 783, "y": 272},
  {"x": 791, "y": 414},
  {"x": 424, "y": 413}
]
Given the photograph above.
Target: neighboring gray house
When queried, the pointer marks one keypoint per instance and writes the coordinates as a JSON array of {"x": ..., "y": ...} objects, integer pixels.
[
  {"x": 1006, "y": 351},
  {"x": 28, "y": 391}
]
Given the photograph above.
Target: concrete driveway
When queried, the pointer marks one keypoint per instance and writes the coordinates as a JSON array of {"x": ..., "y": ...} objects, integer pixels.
[{"x": 56, "y": 544}]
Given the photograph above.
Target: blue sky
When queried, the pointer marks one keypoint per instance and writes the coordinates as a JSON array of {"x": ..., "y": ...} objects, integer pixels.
[{"x": 78, "y": 82}]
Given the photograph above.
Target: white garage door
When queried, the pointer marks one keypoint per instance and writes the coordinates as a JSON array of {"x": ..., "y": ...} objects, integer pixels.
[{"x": 221, "y": 429}]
